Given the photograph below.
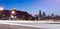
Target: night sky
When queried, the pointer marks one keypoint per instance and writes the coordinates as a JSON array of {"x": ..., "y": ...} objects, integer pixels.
[{"x": 33, "y": 6}]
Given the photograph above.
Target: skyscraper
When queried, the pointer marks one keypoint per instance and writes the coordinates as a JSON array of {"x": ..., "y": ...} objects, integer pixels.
[
  {"x": 44, "y": 14},
  {"x": 40, "y": 15},
  {"x": 52, "y": 14}
]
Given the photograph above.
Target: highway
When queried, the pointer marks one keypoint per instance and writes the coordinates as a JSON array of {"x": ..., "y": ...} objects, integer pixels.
[
  {"x": 34, "y": 24},
  {"x": 4, "y": 26}
]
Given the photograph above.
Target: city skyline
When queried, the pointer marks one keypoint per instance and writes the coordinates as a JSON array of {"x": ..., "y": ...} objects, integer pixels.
[{"x": 33, "y": 6}]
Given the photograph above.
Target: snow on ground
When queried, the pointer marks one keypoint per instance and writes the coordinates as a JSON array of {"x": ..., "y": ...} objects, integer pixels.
[{"x": 38, "y": 24}]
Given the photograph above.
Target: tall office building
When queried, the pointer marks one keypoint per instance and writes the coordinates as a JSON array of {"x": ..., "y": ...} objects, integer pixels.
[
  {"x": 39, "y": 12},
  {"x": 40, "y": 15},
  {"x": 52, "y": 14},
  {"x": 44, "y": 14}
]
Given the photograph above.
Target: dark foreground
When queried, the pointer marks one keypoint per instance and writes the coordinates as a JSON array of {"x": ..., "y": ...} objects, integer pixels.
[{"x": 4, "y": 26}]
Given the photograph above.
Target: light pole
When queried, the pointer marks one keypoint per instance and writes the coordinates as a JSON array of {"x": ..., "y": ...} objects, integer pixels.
[
  {"x": 1, "y": 11},
  {"x": 13, "y": 13}
]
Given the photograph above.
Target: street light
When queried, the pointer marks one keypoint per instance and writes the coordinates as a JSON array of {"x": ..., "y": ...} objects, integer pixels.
[
  {"x": 1, "y": 11},
  {"x": 1, "y": 8},
  {"x": 13, "y": 12}
]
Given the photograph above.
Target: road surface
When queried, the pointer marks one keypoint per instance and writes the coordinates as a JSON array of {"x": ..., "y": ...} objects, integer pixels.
[
  {"x": 31, "y": 24},
  {"x": 4, "y": 26}
]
